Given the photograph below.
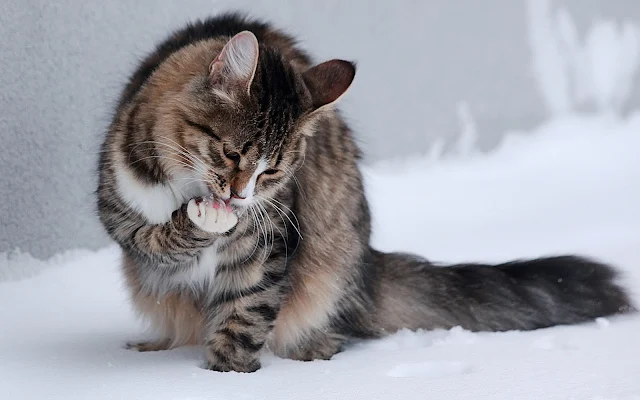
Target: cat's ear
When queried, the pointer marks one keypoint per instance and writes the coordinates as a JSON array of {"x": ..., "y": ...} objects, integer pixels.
[
  {"x": 327, "y": 82},
  {"x": 236, "y": 64}
]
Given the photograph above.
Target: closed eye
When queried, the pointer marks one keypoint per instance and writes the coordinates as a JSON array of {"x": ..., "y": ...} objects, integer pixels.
[
  {"x": 233, "y": 156},
  {"x": 271, "y": 171},
  {"x": 203, "y": 128}
]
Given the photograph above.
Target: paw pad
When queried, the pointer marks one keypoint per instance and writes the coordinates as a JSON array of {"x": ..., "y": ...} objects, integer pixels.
[{"x": 211, "y": 216}]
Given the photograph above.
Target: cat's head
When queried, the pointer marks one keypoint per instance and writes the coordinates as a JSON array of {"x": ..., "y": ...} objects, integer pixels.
[{"x": 241, "y": 126}]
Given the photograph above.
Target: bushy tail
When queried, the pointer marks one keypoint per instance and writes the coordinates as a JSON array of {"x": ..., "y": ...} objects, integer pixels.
[{"x": 519, "y": 295}]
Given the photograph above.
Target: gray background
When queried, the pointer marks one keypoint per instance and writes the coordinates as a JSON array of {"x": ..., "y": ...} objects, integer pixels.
[{"x": 63, "y": 63}]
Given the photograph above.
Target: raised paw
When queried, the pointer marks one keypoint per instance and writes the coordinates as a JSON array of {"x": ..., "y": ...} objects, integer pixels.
[
  {"x": 159, "y": 345},
  {"x": 211, "y": 216}
]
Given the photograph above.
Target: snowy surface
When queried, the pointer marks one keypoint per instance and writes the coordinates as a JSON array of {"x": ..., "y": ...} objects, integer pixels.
[{"x": 573, "y": 185}]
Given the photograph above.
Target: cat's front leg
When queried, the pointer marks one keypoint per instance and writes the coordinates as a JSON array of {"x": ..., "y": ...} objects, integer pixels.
[
  {"x": 242, "y": 321},
  {"x": 193, "y": 227}
]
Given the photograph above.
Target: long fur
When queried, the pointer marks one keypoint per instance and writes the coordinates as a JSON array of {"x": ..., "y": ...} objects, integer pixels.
[
  {"x": 297, "y": 273},
  {"x": 523, "y": 294}
]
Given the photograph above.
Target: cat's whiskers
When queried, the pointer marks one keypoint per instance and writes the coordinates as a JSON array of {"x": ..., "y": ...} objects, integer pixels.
[
  {"x": 189, "y": 182},
  {"x": 174, "y": 179},
  {"x": 289, "y": 172},
  {"x": 199, "y": 165},
  {"x": 304, "y": 156},
  {"x": 278, "y": 211},
  {"x": 209, "y": 178},
  {"x": 267, "y": 237},
  {"x": 176, "y": 150},
  {"x": 261, "y": 226},
  {"x": 284, "y": 224},
  {"x": 246, "y": 226},
  {"x": 190, "y": 167},
  {"x": 181, "y": 151},
  {"x": 272, "y": 226},
  {"x": 271, "y": 201},
  {"x": 185, "y": 150},
  {"x": 255, "y": 247}
]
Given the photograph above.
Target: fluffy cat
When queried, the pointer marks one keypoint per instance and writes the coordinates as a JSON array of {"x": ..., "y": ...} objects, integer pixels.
[{"x": 231, "y": 183}]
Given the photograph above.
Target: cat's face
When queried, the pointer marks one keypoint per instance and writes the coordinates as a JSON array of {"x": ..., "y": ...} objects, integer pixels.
[{"x": 241, "y": 130}]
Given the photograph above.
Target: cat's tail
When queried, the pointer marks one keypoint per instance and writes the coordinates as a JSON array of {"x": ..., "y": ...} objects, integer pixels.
[{"x": 518, "y": 295}]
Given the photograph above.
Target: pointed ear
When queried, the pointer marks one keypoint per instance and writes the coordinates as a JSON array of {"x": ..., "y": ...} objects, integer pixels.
[
  {"x": 328, "y": 81},
  {"x": 236, "y": 64}
]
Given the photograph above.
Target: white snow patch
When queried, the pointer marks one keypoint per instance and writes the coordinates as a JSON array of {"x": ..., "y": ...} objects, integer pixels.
[
  {"x": 16, "y": 264},
  {"x": 544, "y": 343},
  {"x": 569, "y": 186},
  {"x": 597, "y": 71},
  {"x": 429, "y": 369}
]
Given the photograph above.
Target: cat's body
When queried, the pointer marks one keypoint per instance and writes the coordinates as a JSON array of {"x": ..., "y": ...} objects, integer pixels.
[{"x": 280, "y": 254}]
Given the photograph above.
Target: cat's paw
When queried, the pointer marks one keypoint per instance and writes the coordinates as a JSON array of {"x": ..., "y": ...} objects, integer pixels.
[
  {"x": 228, "y": 365},
  {"x": 211, "y": 216},
  {"x": 158, "y": 345}
]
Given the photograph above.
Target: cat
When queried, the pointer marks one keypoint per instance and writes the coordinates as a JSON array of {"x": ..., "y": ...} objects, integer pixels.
[{"x": 231, "y": 183}]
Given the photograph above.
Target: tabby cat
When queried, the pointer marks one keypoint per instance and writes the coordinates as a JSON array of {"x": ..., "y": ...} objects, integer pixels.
[{"x": 231, "y": 183}]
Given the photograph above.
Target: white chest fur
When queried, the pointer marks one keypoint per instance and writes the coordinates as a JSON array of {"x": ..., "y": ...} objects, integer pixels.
[
  {"x": 200, "y": 275},
  {"x": 197, "y": 278},
  {"x": 156, "y": 203}
]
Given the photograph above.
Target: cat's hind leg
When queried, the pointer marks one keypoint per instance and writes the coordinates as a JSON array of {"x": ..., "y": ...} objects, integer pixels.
[
  {"x": 152, "y": 345},
  {"x": 319, "y": 345}
]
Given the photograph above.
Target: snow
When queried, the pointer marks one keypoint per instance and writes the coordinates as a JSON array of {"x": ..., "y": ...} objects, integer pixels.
[
  {"x": 571, "y": 185},
  {"x": 429, "y": 369},
  {"x": 598, "y": 70}
]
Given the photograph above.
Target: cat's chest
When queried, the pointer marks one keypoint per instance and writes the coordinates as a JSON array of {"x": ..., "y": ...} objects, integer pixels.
[
  {"x": 197, "y": 278},
  {"x": 156, "y": 202},
  {"x": 200, "y": 275}
]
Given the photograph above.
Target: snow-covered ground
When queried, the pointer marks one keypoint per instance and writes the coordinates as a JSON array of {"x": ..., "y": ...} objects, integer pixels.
[{"x": 573, "y": 185}]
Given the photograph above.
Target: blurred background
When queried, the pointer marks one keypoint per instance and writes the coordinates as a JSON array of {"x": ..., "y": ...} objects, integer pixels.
[{"x": 437, "y": 77}]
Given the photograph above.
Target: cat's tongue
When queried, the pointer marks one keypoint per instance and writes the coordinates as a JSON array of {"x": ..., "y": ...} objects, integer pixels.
[{"x": 218, "y": 203}]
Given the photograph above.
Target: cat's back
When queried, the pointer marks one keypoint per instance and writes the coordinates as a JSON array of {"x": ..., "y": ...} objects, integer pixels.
[{"x": 224, "y": 25}]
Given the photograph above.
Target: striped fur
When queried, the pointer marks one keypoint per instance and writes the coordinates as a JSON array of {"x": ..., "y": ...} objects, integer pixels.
[{"x": 229, "y": 116}]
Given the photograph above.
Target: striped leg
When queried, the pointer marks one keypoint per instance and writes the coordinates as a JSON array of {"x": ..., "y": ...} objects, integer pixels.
[{"x": 242, "y": 320}]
